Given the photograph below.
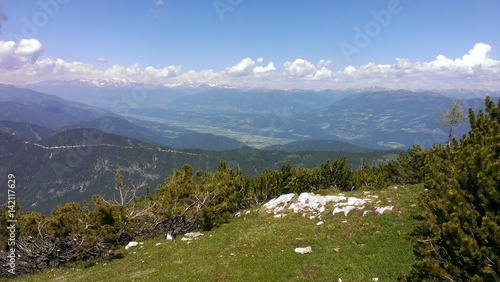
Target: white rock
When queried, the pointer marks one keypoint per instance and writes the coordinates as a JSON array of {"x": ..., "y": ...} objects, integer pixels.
[
  {"x": 192, "y": 235},
  {"x": 278, "y": 204},
  {"x": 319, "y": 223},
  {"x": 170, "y": 237},
  {"x": 131, "y": 244},
  {"x": 353, "y": 201},
  {"x": 344, "y": 209},
  {"x": 381, "y": 210},
  {"x": 375, "y": 279},
  {"x": 306, "y": 250},
  {"x": 312, "y": 202}
]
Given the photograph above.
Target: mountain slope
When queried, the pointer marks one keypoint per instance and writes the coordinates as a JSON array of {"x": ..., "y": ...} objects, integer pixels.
[
  {"x": 390, "y": 119},
  {"x": 75, "y": 164},
  {"x": 254, "y": 101},
  {"x": 24, "y": 105},
  {"x": 317, "y": 145},
  {"x": 26, "y": 131}
]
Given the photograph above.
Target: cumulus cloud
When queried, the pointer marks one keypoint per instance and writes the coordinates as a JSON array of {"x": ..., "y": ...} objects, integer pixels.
[
  {"x": 14, "y": 55},
  {"x": 21, "y": 62},
  {"x": 477, "y": 56},
  {"x": 299, "y": 68},
  {"x": 166, "y": 72},
  {"x": 474, "y": 70},
  {"x": 242, "y": 68},
  {"x": 324, "y": 63},
  {"x": 259, "y": 70}
]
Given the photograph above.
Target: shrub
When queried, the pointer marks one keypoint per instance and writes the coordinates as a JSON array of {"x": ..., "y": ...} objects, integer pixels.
[{"x": 459, "y": 239}]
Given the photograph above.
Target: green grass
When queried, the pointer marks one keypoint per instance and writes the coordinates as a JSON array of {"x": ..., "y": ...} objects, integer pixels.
[{"x": 259, "y": 247}]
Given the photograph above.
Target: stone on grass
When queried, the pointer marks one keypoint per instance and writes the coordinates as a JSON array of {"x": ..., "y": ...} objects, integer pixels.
[
  {"x": 381, "y": 210},
  {"x": 278, "y": 204},
  {"x": 191, "y": 236},
  {"x": 314, "y": 203},
  {"x": 344, "y": 209},
  {"x": 306, "y": 250},
  {"x": 131, "y": 244}
]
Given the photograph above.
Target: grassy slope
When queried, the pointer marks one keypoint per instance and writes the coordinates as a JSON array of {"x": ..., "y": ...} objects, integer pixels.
[{"x": 259, "y": 247}]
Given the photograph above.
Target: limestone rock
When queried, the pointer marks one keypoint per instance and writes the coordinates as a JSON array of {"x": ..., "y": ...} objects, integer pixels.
[
  {"x": 131, "y": 244},
  {"x": 306, "y": 250},
  {"x": 191, "y": 236}
]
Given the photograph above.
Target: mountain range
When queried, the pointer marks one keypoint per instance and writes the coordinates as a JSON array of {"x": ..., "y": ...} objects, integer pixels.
[
  {"x": 74, "y": 164},
  {"x": 65, "y": 150}
]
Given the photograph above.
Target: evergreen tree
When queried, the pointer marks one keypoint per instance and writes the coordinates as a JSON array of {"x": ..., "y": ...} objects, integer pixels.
[
  {"x": 452, "y": 117},
  {"x": 408, "y": 166},
  {"x": 370, "y": 177},
  {"x": 336, "y": 175},
  {"x": 459, "y": 239}
]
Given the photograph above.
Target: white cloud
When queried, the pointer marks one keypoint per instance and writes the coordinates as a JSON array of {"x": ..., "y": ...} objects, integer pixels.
[
  {"x": 349, "y": 69},
  {"x": 28, "y": 47},
  {"x": 21, "y": 63},
  {"x": 324, "y": 63},
  {"x": 158, "y": 2},
  {"x": 323, "y": 73},
  {"x": 476, "y": 56},
  {"x": 299, "y": 68},
  {"x": 242, "y": 68},
  {"x": 14, "y": 55},
  {"x": 474, "y": 70},
  {"x": 259, "y": 70}
]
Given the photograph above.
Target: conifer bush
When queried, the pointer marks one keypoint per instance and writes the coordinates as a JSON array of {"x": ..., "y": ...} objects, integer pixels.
[{"x": 459, "y": 239}]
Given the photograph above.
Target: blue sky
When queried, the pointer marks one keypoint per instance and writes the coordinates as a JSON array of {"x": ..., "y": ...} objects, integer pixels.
[{"x": 310, "y": 44}]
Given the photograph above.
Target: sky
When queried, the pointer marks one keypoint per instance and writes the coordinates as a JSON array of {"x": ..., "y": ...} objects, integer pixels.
[{"x": 278, "y": 44}]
